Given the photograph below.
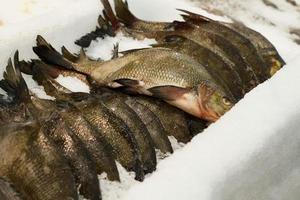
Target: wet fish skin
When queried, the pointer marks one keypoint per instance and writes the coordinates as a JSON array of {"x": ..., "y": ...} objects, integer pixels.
[
  {"x": 117, "y": 105},
  {"x": 269, "y": 53},
  {"x": 76, "y": 154},
  {"x": 32, "y": 163},
  {"x": 116, "y": 133},
  {"x": 98, "y": 148},
  {"x": 214, "y": 42},
  {"x": 246, "y": 48},
  {"x": 172, "y": 119},
  {"x": 7, "y": 191},
  {"x": 157, "y": 132},
  {"x": 221, "y": 71}
]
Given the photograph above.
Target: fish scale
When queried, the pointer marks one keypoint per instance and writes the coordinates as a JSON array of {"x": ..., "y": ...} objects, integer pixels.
[{"x": 168, "y": 68}]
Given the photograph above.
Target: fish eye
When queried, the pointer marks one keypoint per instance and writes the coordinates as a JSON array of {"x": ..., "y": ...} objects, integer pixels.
[{"x": 226, "y": 101}]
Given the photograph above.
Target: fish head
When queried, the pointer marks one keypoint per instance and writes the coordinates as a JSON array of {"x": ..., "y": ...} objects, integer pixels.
[{"x": 212, "y": 101}]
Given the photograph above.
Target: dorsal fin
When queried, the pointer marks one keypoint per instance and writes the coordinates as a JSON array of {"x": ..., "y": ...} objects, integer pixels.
[
  {"x": 194, "y": 18},
  {"x": 68, "y": 55}
]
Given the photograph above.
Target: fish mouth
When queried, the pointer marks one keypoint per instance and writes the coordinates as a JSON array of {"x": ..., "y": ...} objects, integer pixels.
[{"x": 204, "y": 94}]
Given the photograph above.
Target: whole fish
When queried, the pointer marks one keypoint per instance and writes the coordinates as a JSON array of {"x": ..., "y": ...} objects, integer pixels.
[
  {"x": 222, "y": 72},
  {"x": 31, "y": 161},
  {"x": 173, "y": 120},
  {"x": 117, "y": 105},
  {"x": 7, "y": 191},
  {"x": 154, "y": 126},
  {"x": 173, "y": 77},
  {"x": 76, "y": 154}
]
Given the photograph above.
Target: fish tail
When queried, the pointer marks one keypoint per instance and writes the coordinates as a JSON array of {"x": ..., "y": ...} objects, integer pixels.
[
  {"x": 50, "y": 56},
  {"x": 13, "y": 82},
  {"x": 110, "y": 16},
  {"x": 105, "y": 28},
  {"x": 123, "y": 13}
]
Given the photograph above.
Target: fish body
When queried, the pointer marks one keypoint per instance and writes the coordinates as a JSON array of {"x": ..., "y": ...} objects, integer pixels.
[
  {"x": 142, "y": 74},
  {"x": 154, "y": 126},
  {"x": 223, "y": 72},
  {"x": 98, "y": 149},
  {"x": 76, "y": 154},
  {"x": 264, "y": 47},
  {"x": 173, "y": 120},
  {"x": 246, "y": 48},
  {"x": 117, "y": 105},
  {"x": 7, "y": 191},
  {"x": 31, "y": 161},
  {"x": 113, "y": 130}
]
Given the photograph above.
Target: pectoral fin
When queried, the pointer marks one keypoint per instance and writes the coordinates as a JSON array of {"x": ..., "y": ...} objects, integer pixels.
[{"x": 169, "y": 92}]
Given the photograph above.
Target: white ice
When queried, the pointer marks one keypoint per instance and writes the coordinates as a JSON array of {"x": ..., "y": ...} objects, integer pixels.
[{"x": 252, "y": 152}]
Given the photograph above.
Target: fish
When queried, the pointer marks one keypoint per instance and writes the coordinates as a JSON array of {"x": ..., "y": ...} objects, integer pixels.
[
  {"x": 31, "y": 162},
  {"x": 13, "y": 108},
  {"x": 173, "y": 77},
  {"x": 98, "y": 149},
  {"x": 116, "y": 104},
  {"x": 265, "y": 48},
  {"x": 154, "y": 126},
  {"x": 173, "y": 120},
  {"x": 113, "y": 130},
  {"x": 76, "y": 154},
  {"x": 246, "y": 48},
  {"x": 7, "y": 191},
  {"x": 219, "y": 45},
  {"x": 222, "y": 72}
]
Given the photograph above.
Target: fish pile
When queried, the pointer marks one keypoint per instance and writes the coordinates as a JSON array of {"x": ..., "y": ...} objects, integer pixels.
[{"x": 54, "y": 149}]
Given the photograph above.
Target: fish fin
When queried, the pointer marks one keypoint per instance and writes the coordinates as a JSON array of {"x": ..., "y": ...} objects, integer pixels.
[
  {"x": 169, "y": 92},
  {"x": 133, "y": 50},
  {"x": 123, "y": 13},
  {"x": 178, "y": 26},
  {"x": 115, "y": 51},
  {"x": 128, "y": 82},
  {"x": 14, "y": 83},
  {"x": 82, "y": 56},
  {"x": 108, "y": 12},
  {"x": 26, "y": 67},
  {"x": 194, "y": 18},
  {"x": 49, "y": 55},
  {"x": 68, "y": 55}
]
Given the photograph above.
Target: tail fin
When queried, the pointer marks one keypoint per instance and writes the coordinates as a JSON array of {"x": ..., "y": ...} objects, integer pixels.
[
  {"x": 109, "y": 14},
  {"x": 105, "y": 28},
  {"x": 124, "y": 14},
  {"x": 49, "y": 55},
  {"x": 13, "y": 82}
]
